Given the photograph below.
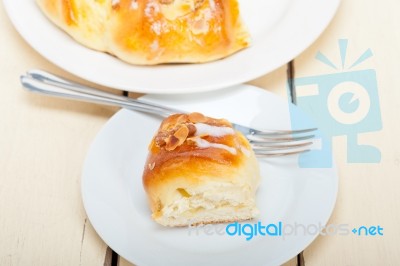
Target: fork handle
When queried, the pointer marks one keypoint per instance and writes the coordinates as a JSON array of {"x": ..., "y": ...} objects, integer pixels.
[{"x": 45, "y": 83}]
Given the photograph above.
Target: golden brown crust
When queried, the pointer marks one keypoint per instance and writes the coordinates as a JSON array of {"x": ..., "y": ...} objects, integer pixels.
[
  {"x": 153, "y": 31},
  {"x": 164, "y": 152},
  {"x": 84, "y": 20}
]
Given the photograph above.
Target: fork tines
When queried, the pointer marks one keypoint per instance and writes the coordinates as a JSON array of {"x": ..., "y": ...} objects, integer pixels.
[{"x": 281, "y": 142}]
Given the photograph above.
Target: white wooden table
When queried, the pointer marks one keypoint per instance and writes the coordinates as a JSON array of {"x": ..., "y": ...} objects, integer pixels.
[{"x": 43, "y": 142}]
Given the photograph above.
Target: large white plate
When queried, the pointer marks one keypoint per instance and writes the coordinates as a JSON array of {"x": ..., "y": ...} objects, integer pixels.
[
  {"x": 116, "y": 203},
  {"x": 281, "y": 29}
]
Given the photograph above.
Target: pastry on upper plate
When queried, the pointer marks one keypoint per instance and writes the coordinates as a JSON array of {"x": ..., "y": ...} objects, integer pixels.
[
  {"x": 148, "y": 32},
  {"x": 200, "y": 170}
]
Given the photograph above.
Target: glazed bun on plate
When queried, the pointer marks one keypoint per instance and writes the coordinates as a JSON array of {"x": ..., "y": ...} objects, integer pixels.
[
  {"x": 199, "y": 171},
  {"x": 148, "y": 32}
]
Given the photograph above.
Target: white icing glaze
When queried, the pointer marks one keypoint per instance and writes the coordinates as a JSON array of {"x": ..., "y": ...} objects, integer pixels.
[
  {"x": 213, "y": 131},
  {"x": 202, "y": 143},
  {"x": 212, "y": 4},
  {"x": 156, "y": 27},
  {"x": 151, "y": 9},
  {"x": 245, "y": 151},
  {"x": 134, "y": 4}
]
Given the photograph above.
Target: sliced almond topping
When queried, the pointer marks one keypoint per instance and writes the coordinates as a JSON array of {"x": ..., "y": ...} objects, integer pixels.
[
  {"x": 225, "y": 122},
  {"x": 169, "y": 122},
  {"x": 177, "y": 139},
  {"x": 182, "y": 133},
  {"x": 219, "y": 122},
  {"x": 192, "y": 139},
  {"x": 164, "y": 126},
  {"x": 166, "y": 2},
  {"x": 172, "y": 143},
  {"x": 197, "y": 118},
  {"x": 192, "y": 130},
  {"x": 151, "y": 165},
  {"x": 160, "y": 138},
  {"x": 181, "y": 119},
  {"x": 160, "y": 142}
]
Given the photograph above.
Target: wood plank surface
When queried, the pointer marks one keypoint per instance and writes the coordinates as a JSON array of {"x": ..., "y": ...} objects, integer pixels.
[
  {"x": 368, "y": 193},
  {"x": 43, "y": 142}
]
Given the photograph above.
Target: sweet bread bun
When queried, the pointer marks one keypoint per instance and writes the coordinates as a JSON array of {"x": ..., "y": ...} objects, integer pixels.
[
  {"x": 200, "y": 170},
  {"x": 148, "y": 32}
]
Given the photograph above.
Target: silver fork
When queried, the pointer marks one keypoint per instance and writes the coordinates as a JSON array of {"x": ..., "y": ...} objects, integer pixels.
[{"x": 266, "y": 143}]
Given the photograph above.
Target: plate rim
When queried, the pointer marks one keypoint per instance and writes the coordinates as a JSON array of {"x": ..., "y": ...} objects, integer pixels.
[{"x": 175, "y": 87}]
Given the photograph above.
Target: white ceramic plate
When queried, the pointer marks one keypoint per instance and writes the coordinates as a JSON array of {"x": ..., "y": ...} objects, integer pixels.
[
  {"x": 116, "y": 203},
  {"x": 281, "y": 29}
]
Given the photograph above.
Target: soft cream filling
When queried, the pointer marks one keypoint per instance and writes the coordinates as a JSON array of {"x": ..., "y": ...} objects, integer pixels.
[{"x": 212, "y": 201}]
